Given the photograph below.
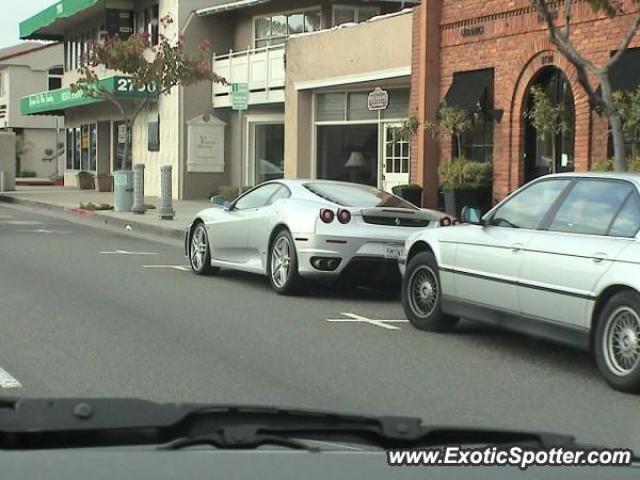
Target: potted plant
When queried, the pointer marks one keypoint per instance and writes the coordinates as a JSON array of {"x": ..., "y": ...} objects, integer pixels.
[
  {"x": 104, "y": 183},
  {"x": 464, "y": 182},
  {"x": 85, "y": 180}
]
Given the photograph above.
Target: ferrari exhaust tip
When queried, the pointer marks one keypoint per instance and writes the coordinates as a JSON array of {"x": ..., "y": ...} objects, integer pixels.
[{"x": 325, "y": 264}]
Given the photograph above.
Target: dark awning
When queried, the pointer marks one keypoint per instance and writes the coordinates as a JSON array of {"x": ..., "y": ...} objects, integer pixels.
[
  {"x": 625, "y": 74},
  {"x": 467, "y": 88}
]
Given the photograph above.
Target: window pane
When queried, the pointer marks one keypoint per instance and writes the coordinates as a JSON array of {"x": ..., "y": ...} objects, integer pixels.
[
  {"x": 398, "y": 104},
  {"x": 296, "y": 23},
  {"x": 590, "y": 207},
  {"x": 268, "y": 152},
  {"x": 365, "y": 14},
  {"x": 93, "y": 140},
  {"x": 70, "y": 144},
  {"x": 262, "y": 43},
  {"x": 257, "y": 198},
  {"x": 155, "y": 20},
  {"x": 76, "y": 151},
  {"x": 263, "y": 27},
  {"x": 343, "y": 15},
  {"x": 627, "y": 222},
  {"x": 84, "y": 148},
  {"x": 153, "y": 133},
  {"x": 313, "y": 21},
  {"x": 55, "y": 83},
  {"x": 330, "y": 106},
  {"x": 528, "y": 207},
  {"x": 359, "y": 107},
  {"x": 277, "y": 40},
  {"x": 279, "y": 26}
]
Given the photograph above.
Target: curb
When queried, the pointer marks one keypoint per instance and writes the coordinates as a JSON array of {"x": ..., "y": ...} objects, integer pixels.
[{"x": 92, "y": 217}]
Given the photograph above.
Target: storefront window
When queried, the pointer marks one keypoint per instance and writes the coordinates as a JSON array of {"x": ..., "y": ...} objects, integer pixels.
[
  {"x": 349, "y": 153},
  {"x": 268, "y": 151},
  {"x": 274, "y": 29},
  {"x": 76, "y": 150},
  {"x": 84, "y": 147},
  {"x": 93, "y": 143},
  {"x": 70, "y": 145},
  {"x": 477, "y": 143}
]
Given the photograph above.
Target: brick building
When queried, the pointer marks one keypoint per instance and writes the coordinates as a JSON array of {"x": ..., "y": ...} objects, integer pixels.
[{"x": 484, "y": 56}]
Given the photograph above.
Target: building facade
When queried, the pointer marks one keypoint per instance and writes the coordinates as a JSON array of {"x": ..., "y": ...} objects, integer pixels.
[
  {"x": 27, "y": 68},
  {"x": 196, "y": 129},
  {"x": 485, "y": 57}
]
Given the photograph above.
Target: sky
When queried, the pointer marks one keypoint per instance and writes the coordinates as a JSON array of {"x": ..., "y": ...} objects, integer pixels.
[{"x": 12, "y": 12}]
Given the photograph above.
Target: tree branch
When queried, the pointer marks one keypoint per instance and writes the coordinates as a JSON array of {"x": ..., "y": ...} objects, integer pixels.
[{"x": 624, "y": 45}]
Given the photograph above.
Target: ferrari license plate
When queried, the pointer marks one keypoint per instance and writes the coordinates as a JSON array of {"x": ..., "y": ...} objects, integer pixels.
[{"x": 393, "y": 251}]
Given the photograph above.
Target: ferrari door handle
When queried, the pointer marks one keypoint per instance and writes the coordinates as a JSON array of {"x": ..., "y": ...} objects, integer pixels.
[
  {"x": 517, "y": 247},
  {"x": 599, "y": 257}
]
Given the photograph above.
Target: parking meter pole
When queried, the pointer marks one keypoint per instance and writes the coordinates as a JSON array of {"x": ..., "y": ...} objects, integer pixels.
[
  {"x": 166, "y": 208},
  {"x": 1, "y": 180},
  {"x": 138, "y": 189}
]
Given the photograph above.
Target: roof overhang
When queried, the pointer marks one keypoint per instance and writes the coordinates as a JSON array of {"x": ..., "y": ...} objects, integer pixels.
[
  {"x": 378, "y": 75},
  {"x": 52, "y": 22},
  {"x": 227, "y": 6},
  {"x": 55, "y": 102}
]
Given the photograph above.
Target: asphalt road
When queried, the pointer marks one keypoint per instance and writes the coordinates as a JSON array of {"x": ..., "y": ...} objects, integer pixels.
[{"x": 75, "y": 321}]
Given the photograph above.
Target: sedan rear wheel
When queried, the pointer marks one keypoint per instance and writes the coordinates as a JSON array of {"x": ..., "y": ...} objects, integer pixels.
[
  {"x": 617, "y": 342},
  {"x": 422, "y": 295},
  {"x": 283, "y": 264},
  {"x": 199, "y": 252}
]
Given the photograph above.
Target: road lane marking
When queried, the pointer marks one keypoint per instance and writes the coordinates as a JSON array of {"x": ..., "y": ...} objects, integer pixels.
[
  {"x": 20, "y": 222},
  {"x": 353, "y": 318},
  {"x": 7, "y": 381},
  {"x": 124, "y": 252},
  {"x": 44, "y": 230},
  {"x": 181, "y": 268}
]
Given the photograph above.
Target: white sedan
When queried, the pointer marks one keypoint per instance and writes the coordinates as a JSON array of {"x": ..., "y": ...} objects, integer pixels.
[
  {"x": 294, "y": 229},
  {"x": 558, "y": 259}
]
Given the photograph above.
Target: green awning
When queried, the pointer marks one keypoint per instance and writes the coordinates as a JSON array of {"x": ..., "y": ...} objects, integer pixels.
[
  {"x": 54, "y": 102},
  {"x": 36, "y": 26}
]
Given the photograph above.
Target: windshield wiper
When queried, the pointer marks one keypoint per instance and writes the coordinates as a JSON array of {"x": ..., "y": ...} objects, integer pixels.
[{"x": 76, "y": 423}]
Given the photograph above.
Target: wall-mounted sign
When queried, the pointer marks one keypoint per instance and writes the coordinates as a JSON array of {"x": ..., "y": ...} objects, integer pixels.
[
  {"x": 239, "y": 96},
  {"x": 205, "y": 145},
  {"x": 378, "y": 99},
  {"x": 119, "y": 23},
  {"x": 472, "y": 31}
]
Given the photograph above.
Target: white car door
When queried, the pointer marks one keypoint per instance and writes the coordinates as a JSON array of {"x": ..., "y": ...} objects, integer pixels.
[
  {"x": 566, "y": 259},
  {"x": 488, "y": 257},
  {"x": 230, "y": 234}
]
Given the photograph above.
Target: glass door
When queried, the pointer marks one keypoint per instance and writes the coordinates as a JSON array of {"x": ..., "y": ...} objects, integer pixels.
[
  {"x": 266, "y": 151},
  {"x": 395, "y": 158}
]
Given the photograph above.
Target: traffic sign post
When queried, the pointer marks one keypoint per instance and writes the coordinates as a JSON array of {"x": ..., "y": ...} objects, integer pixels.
[{"x": 240, "y": 102}]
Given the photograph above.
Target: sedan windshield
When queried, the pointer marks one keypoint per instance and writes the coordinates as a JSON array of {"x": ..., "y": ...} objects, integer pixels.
[{"x": 352, "y": 195}]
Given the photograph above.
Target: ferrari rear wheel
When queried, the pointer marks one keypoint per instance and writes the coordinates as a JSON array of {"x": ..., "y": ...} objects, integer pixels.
[{"x": 283, "y": 264}]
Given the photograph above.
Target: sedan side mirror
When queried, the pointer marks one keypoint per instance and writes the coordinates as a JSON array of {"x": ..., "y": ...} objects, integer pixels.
[
  {"x": 218, "y": 200},
  {"x": 228, "y": 206},
  {"x": 471, "y": 215}
]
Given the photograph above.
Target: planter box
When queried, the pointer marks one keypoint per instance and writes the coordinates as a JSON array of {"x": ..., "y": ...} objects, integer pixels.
[
  {"x": 454, "y": 200},
  {"x": 104, "y": 183},
  {"x": 85, "y": 181}
]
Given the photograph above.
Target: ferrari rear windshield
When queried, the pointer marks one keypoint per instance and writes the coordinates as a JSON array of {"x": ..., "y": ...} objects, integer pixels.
[{"x": 351, "y": 195}]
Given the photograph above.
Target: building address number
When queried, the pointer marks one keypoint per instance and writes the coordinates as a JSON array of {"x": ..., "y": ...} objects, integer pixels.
[{"x": 126, "y": 85}]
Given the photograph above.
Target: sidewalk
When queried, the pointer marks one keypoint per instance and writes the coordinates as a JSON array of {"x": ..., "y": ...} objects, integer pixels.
[{"x": 68, "y": 200}]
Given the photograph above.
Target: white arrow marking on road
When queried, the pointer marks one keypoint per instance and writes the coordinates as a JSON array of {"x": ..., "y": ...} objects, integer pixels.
[
  {"x": 124, "y": 252},
  {"x": 359, "y": 319},
  {"x": 7, "y": 381},
  {"x": 175, "y": 267}
]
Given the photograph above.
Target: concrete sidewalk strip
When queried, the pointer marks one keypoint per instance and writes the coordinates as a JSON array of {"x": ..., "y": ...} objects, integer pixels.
[{"x": 68, "y": 200}]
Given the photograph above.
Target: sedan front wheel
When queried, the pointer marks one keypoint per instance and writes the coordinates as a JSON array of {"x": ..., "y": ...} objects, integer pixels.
[{"x": 422, "y": 295}]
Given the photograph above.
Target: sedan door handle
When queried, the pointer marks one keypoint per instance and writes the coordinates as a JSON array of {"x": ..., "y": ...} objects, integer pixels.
[{"x": 599, "y": 257}]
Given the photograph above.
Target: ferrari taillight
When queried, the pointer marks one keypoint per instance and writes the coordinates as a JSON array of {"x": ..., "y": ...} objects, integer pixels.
[
  {"x": 344, "y": 216},
  {"x": 327, "y": 215}
]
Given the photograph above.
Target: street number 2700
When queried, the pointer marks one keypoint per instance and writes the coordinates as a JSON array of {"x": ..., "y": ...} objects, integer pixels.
[{"x": 126, "y": 85}]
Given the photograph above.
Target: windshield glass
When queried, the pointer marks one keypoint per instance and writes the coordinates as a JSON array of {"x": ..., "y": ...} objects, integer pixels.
[{"x": 353, "y": 195}]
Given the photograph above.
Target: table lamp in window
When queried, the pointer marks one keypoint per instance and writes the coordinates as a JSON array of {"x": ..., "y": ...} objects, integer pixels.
[{"x": 357, "y": 167}]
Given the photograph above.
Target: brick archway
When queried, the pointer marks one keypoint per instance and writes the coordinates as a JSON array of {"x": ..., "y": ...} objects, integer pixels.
[{"x": 538, "y": 56}]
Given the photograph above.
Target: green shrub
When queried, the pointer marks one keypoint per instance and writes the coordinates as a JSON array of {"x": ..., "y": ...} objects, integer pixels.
[
  {"x": 633, "y": 165},
  {"x": 461, "y": 173},
  {"x": 28, "y": 174}
]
